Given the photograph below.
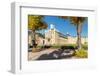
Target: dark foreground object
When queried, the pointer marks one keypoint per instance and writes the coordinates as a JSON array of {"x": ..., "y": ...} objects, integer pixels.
[{"x": 63, "y": 52}]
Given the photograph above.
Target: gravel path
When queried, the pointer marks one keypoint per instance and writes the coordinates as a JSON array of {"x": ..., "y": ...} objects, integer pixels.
[{"x": 35, "y": 55}]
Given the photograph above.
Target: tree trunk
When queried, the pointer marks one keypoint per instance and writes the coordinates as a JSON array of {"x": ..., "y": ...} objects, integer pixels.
[
  {"x": 79, "y": 29},
  {"x": 34, "y": 40}
]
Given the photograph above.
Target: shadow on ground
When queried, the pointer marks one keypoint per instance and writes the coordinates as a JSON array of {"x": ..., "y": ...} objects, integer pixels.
[{"x": 63, "y": 52}]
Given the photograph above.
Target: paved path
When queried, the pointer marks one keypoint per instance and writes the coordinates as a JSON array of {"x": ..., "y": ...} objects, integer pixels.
[{"x": 35, "y": 55}]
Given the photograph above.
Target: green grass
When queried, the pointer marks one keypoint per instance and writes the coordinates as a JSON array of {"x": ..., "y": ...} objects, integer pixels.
[
  {"x": 85, "y": 46},
  {"x": 81, "y": 53},
  {"x": 55, "y": 46},
  {"x": 59, "y": 46},
  {"x": 73, "y": 45},
  {"x": 39, "y": 47}
]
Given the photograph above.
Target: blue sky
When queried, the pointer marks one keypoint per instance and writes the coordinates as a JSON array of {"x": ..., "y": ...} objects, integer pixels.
[{"x": 65, "y": 26}]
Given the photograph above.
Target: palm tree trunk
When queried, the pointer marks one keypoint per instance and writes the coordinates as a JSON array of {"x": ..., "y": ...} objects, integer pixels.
[{"x": 79, "y": 29}]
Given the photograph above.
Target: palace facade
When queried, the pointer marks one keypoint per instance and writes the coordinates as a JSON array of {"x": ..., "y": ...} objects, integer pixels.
[{"x": 54, "y": 37}]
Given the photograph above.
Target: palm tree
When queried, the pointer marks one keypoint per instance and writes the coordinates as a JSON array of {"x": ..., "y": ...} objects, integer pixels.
[
  {"x": 35, "y": 23},
  {"x": 78, "y": 22}
]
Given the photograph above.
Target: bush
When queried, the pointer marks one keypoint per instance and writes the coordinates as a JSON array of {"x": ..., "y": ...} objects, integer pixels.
[
  {"x": 81, "y": 53},
  {"x": 85, "y": 46},
  {"x": 68, "y": 47},
  {"x": 39, "y": 46},
  {"x": 64, "y": 46},
  {"x": 56, "y": 46},
  {"x": 72, "y": 45}
]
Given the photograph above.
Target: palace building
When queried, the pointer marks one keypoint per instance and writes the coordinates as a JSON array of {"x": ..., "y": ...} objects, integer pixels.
[{"x": 53, "y": 37}]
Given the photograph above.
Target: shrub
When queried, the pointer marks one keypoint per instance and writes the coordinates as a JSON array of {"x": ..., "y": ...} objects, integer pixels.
[
  {"x": 81, "y": 53},
  {"x": 68, "y": 47},
  {"x": 56, "y": 46},
  {"x": 72, "y": 45},
  {"x": 85, "y": 46},
  {"x": 39, "y": 46}
]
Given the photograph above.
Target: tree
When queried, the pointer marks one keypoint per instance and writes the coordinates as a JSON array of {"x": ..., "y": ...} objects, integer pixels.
[
  {"x": 78, "y": 22},
  {"x": 35, "y": 23}
]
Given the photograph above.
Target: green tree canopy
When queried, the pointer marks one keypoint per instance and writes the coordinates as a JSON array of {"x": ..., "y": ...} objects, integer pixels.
[
  {"x": 78, "y": 22},
  {"x": 35, "y": 22}
]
